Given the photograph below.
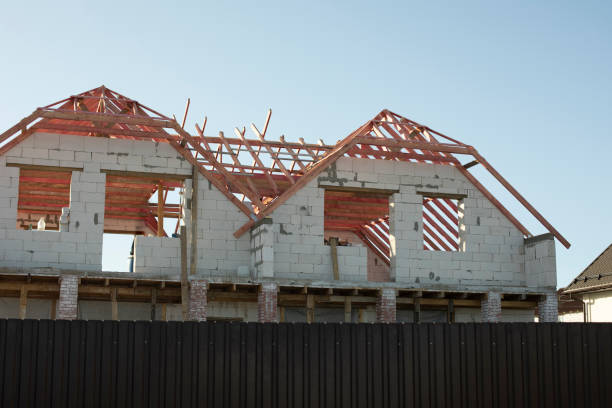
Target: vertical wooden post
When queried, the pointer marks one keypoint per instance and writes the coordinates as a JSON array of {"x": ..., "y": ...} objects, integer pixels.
[
  {"x": 160, "y": 209},
  {"x": 164, "y": 316},
  {"x": 361, "y": 315},
  {"x": 417, "y": 310},
  {"x": 53, "y": 309},
  {"x": 333, "y": 245},
  {"x": 23, "y": 302},
  {"x": 281, "y": 310},
  {"x": 347, "y": 309},
  {"x": 450, "y": 313},
  {"x": 194, "y": 221},
  {"x": 153, "y": 302},
  {"x": 114, "y": 305},
  {"x": 310, "y": 308},
  {"x": 184, "y": 280}
]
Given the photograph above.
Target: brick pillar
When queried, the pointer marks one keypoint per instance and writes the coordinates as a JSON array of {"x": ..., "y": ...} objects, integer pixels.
[
  {"x": 386, "y": 306},
  {"x": 198, "y": 301},
  {"x": 68, "y": 297},
  {"x": 266, "y": 303},
  {"x": 490, "y": 308},
  {"x": 548, "y": 308}
]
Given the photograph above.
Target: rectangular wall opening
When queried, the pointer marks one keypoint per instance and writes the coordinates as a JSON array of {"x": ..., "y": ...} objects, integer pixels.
[
  {"x": 361, "y": 217},
  {"x": 42, "y": 195},
  {"x": 441, "y": 223},
  {"x": 147, "y": 205}
]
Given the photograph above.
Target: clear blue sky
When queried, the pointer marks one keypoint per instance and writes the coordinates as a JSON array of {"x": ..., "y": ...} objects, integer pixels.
[{"x": 528, "y": 84}]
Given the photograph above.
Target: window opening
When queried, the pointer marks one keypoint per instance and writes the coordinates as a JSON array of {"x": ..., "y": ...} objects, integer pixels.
[
  {"x": 440, "y": 224},
  {"x": 42, "y": 195}
]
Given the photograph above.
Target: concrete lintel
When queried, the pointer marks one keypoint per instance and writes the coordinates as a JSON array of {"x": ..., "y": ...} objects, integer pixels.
[{"x": 539, "y": 238}]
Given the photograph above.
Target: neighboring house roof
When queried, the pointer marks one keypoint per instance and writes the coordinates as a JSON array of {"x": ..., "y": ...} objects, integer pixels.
[
  {"x": 258, "y": 175},
  {"x": 596, "y": 276}
]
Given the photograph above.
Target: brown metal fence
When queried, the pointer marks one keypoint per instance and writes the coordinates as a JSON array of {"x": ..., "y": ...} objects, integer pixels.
[{"x": 157, "y": 364}]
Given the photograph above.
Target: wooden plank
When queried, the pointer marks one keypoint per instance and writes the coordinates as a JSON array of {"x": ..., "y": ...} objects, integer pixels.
[
  {"x": 362, "y": 190},
  {"x": 310, "y": 303},
  {"x": 23, "y": 302},
  {"x": 417, "y": 310},
  {"x": 53, "y": 311},
  {"x": 519, "y": 197},
  {"x": 274, "y": 156},
  {"x": 321, "y": 165},
  {"x": 240, "y": 167},
  {"x": 433, "y": 194},
  {"x": 255, "y": 156},
  {"x": 143, "y": 175},
  {"x": 333, "y": 243},
  {"x": 153, "y": 303},
  {"x": 347, "y": 309},
  {"x": 160, "y": 210},
  {"x": 114, "y": 306},
  {"x": 34, "y": 167},
  {"x": 213, "y": 180}
]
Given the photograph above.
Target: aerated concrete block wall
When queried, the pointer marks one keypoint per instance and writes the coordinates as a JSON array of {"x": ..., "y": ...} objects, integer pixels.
[
  {"x": 81, "y": 246},
  {"x": 540, "y": 261},
  {"x": 491, "y": 247},
  {"x": 159, "y": 255},
  {"x": 219, "y": 252}
]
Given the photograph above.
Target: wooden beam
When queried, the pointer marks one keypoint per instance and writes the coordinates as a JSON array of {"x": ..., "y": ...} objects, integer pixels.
[
  {"x": 108, "y": 118},
  {"x": 417, "y": 310},
  {"x": 314, "y": 171},
  {"x": 53, "y": 311},
  {"x": 450, "y": 311},
  {"x": 333, "y": 243},
  {"x": 142, "y": 175},
  {"x": 281, "y": 310},
  {"x": 347, "y": 309},
  {"x": 35, "y": 167},
  {"x": 434, "y": 194},
  {"x": 362, "y": 190},
  {"x": 23, "y": 302},
  {"x": 160, "y": 210},
  {"x": 520, "y": 198},
  {"x": 153, "y": 303},
  {"x": 310, "y": 303},
  {"x": 114, "y": 305},
  {"x": 164, "y": 312}
]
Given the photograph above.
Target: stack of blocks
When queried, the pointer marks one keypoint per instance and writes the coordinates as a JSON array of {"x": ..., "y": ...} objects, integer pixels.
[
  {"x": 198, "y": 302},
  {"x": 386, "y": 306},
  {"x": 68, "y": 297}
]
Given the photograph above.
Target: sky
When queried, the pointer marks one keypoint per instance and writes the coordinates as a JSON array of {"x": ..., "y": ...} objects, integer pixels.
[{"x": 527, "y": 83}]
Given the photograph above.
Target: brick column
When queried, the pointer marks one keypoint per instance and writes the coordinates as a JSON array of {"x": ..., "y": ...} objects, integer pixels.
[
  {"x": 490, "y": 308},
  {"x": 198, "y": 301},
  {"x": 386, "y": 306},
  {"x": 266, "y": 303},
  {"x": 68, "y": 297},
  {"x": 548, "y": 308}
]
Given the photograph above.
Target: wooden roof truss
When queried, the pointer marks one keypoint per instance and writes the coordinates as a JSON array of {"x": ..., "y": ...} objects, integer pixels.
[{"x": 258, "y": 174}]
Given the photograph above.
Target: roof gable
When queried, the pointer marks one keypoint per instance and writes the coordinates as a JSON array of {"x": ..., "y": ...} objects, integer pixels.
[{"x": 596, "y": 276}]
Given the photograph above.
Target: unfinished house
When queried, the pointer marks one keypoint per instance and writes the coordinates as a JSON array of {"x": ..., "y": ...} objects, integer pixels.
[{"x": 386, "y": 225}]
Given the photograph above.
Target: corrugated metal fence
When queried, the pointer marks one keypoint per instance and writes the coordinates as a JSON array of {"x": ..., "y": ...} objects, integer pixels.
[{"x": 158, "y": 364}]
